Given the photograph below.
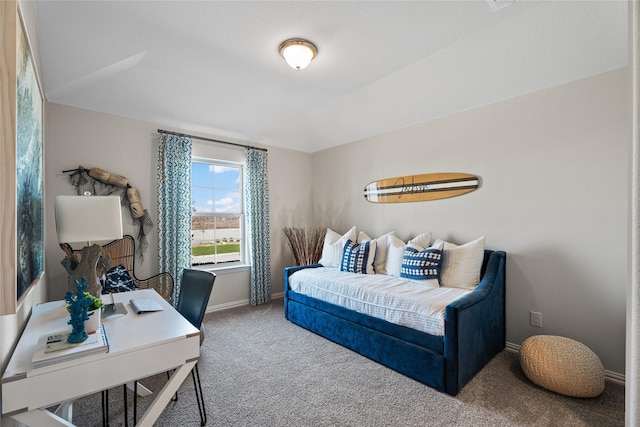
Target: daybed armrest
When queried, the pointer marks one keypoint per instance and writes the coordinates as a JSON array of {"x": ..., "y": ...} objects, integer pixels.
[
  {"x": 288, "y": 271},
  {"x": 475, "y": 325}
]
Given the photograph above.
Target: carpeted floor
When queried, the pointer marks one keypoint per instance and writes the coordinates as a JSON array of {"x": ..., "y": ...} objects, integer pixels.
[{"x": 258, "y": 369}]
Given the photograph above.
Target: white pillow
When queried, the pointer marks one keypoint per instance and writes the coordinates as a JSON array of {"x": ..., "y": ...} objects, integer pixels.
[
  {"x": 333, "y": 246},
  {"x": 363, "y": 237},
  {"x": 382, "y": 248},
  {"x": 423, "y": 240},
  {"x": 438, "y": 244},
  {"x": 461, "y": 265},
  {"x": 395, "y": 253}
]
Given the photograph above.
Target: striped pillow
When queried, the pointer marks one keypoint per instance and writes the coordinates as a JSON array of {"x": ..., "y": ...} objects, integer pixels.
[
  {"x": 423, "y": 265},
  {"x": 358, "y": 258}
]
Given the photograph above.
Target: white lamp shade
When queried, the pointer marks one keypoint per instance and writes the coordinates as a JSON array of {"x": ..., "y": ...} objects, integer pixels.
[{"x": 88, "y": 218}]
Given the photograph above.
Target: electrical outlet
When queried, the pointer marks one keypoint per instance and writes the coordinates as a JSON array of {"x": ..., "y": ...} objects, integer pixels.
[{"x": 535, "y": 319}]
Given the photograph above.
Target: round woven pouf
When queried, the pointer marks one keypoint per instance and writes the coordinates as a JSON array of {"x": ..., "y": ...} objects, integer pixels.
[{"x": 562, "y": 365}]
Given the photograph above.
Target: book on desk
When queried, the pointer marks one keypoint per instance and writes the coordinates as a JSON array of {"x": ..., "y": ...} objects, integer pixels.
[
  {"x": 144, "y": 305},
  {"x": 53, "y": 348}
]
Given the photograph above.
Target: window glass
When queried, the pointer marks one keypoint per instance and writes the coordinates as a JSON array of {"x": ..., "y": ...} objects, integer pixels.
[{"x": 217, "y": 222}]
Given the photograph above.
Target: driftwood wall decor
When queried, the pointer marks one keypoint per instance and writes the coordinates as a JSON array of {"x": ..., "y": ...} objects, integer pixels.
[{"x": 99, "y": 182}]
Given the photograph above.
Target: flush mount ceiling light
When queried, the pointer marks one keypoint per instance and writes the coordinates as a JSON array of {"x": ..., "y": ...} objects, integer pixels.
[{"x": 298, "y": 52}]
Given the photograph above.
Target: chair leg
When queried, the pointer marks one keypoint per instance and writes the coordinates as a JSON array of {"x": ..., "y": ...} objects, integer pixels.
[
  {"x": 199, "y": 396},
  {"x": 135, "y": 402},
  {"x": 126, "y": 406},
  {"x": 105, "y": 408}
]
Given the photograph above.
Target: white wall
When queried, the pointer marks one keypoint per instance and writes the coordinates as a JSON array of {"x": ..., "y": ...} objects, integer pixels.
[
  {"x": 554, "y": 169},
  {"x": 290, "y": 205},
  {"x": 129, "y": 148}
]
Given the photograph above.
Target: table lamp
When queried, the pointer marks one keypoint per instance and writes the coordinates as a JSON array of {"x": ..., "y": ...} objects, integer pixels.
[{"x": 86, "y": 219}]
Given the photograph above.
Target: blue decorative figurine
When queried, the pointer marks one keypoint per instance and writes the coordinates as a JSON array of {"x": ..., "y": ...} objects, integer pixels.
[{"x": 79, "y": 305}]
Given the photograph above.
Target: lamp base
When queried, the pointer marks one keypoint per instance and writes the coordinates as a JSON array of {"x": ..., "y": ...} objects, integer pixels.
[{"x": 90, "y": 264}]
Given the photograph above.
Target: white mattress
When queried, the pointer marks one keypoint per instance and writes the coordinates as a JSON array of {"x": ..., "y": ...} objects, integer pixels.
[{"x": 396, "y": 300}]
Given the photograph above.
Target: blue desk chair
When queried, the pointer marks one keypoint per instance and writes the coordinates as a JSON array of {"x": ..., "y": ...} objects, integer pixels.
[{"x": 195, "y": 290}]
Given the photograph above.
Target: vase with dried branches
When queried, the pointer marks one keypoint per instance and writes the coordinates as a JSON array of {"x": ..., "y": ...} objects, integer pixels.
[{"x": 305, "y": 243}]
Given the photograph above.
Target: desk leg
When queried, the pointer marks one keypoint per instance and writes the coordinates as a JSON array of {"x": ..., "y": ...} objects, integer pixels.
[
  {"x": 65, "y": 410},
  {"x": 41, "y": 417},
  {"x": 163, "y": 397},
  {"x": 142, "y": 390}
]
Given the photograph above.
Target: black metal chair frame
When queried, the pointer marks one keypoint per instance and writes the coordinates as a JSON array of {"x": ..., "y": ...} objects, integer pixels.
[{"x": 195, "y": 290}]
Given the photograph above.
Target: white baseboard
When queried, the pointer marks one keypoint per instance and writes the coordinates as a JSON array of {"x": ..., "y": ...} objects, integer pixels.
[
  {"x": 234, "y": 304},
  {"x": 515, "y": 348},
  {"x": 226, "y": 306},
  {"x": 614, "y": 377}
]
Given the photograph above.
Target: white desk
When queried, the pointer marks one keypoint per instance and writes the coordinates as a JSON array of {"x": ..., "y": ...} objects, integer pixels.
[{"x": 139, "y": 346}]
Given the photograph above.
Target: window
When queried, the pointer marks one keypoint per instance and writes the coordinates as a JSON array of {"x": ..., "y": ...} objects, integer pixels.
[{"x": 217, "y": 223}]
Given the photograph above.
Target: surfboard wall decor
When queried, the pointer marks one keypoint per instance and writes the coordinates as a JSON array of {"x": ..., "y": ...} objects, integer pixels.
[{"x": 419, "y": 188}]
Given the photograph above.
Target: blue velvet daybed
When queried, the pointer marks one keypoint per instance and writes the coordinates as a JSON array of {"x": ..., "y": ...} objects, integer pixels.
[{"x": 474, "y": 331}]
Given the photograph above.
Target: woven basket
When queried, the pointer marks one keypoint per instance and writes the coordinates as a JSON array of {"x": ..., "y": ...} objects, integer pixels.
[{"x": 562, "y": 365}]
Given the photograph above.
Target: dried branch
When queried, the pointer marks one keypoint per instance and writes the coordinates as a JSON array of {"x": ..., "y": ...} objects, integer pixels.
[{"x": 306, "y": 244}]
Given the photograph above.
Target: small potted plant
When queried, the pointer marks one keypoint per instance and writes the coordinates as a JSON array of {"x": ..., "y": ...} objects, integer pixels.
[{"x": 92, "y": 324}]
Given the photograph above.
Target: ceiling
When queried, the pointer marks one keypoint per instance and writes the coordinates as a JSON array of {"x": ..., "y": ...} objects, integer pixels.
[{"x": 213, "y": 67}]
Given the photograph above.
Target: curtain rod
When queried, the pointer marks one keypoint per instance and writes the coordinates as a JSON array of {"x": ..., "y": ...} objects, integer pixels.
[{"x": 210, "y": 140}]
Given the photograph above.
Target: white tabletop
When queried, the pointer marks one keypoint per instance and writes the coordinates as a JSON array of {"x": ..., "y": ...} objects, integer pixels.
[{"x": 140, "y": 345}]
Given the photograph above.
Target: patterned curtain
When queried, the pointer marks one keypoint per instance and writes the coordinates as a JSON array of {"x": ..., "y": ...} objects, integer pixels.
[
  {"x": 257, "y": 212},
  {"x": 174, "y": 206}
]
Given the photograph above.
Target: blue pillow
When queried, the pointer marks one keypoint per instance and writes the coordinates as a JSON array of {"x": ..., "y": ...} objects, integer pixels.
[
  {"x": 118, "y": 279},
  {"x": 423, "y": 264},
  {"x": 358, "y": 258}
]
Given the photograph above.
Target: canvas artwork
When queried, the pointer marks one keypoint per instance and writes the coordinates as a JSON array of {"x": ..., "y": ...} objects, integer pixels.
[{"x": 29, "y": 179}]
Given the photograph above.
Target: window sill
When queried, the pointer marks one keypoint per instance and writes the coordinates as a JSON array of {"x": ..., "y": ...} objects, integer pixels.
[{"x": 227, "y": 269}]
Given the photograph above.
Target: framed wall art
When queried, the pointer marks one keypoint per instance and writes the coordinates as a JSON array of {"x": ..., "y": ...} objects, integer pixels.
[{"x": 21, "y": 161}]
